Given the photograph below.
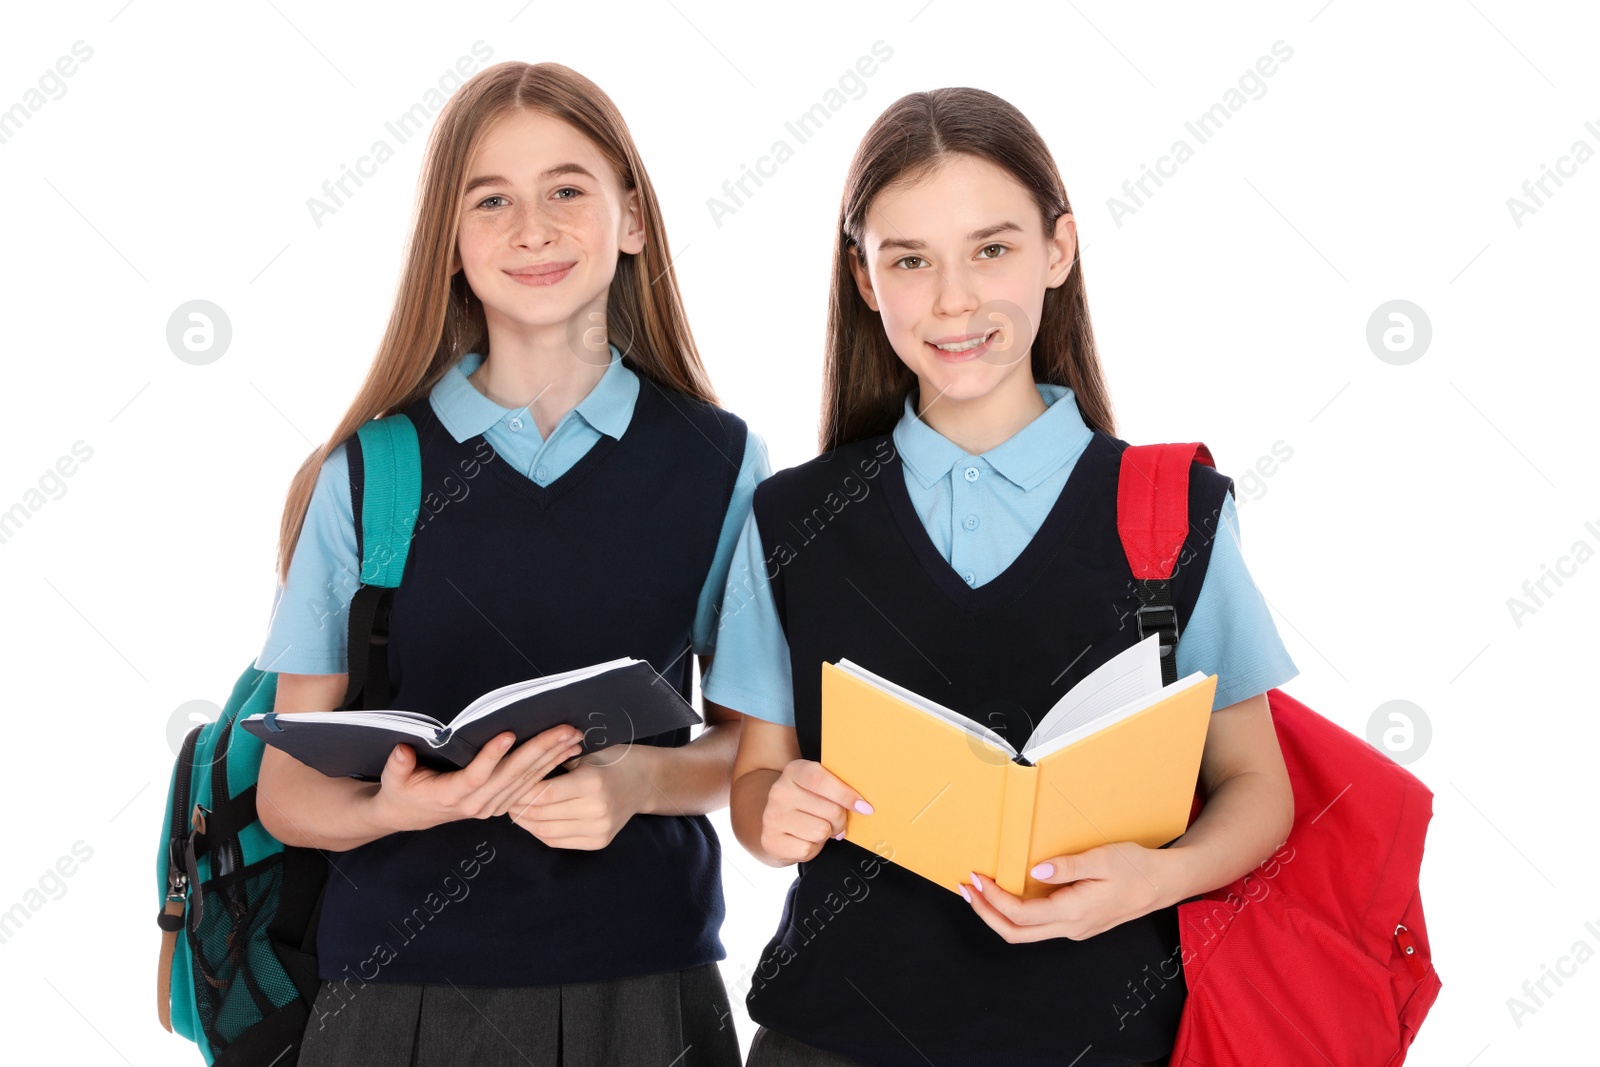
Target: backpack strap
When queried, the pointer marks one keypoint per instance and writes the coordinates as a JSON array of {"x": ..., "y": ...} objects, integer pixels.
[
  {"x": 1153, "y": 521},
  {"x": 386, "y": 498}
]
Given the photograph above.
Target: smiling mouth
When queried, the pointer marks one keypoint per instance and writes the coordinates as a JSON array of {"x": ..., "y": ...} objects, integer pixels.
[
  {"x": 958, "y": 347},
  {"x": 544, "y": 274}
]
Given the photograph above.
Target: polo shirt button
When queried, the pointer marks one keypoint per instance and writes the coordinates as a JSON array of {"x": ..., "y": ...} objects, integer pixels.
[
  {"x": 515, "y": 424},
  {"x": 970, "y": 474},
  {"x": 969, "y": 578},
  {"x": 971, "y": 522},
  {"x": 540, "y": 473}
]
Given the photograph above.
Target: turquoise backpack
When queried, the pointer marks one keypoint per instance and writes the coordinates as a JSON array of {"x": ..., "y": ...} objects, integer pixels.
[{"x": 238, "y": 968}]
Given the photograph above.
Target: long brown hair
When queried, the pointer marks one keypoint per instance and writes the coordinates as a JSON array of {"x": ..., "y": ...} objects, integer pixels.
[
  {"x": 436, "y": 318},
  {"x": 864, "y": 383}
]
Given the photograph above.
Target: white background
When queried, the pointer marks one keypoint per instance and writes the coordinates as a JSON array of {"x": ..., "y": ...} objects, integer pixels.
[{"x": 1230, "y": 308}]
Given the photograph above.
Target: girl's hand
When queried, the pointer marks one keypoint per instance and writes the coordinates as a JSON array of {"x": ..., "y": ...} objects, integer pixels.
[
  {"x": 805, "y": 807},
  {"x": 412, "y": 797},
  {"x": 1106, "y": 885},
  {"x": 586, "y": 807}
]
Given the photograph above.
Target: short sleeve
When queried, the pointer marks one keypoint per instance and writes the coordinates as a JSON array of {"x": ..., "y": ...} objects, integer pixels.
[
  {"x": 310, "y": 609},
  {"x": 754, "y": 468},
  {"x": 1231, "y": 633},
  {"x": 750, "y": 673}
]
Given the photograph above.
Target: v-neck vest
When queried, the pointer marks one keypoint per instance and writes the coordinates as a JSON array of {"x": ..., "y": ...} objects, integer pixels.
[
  {"x": 876, "y": 963},
  {"x": 507, "y": 580}
]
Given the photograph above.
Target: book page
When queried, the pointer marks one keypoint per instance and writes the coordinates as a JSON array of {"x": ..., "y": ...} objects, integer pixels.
[
  {"x": 922, "y": 703},
  {"x": 409, "y": 722},
  {"x": 1130, "y": 674},
  {"x": 496, "y": 699},
  {"x": 1038, "y": 750}
]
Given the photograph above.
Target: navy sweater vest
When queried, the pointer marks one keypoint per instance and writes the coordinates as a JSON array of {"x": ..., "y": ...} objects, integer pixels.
[
  {"x": 507, "y": 580},
  {"x": 876, "y": 963}
]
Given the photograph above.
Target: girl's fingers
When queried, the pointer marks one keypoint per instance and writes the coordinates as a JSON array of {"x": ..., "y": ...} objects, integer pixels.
[
  {"x": 567, "y": 808},
  {"x": 800, "y": 849},
  {"x": 821, "y": 808},
  {"x": 397, "y": 769},
  {"x": 535, "y": 750},
  {"x": 521, "y": 795},
  {"x": 555, "y": 794},
  {"x": 526, "y": 768},
  {"x": 535, "y": 816},
  {"x": 476, "y": 773},
  {"x": 804, "y": 826},
  {"x": 990, "y": 915},
  {"x": 795, "y": 796},
  {"x": 816, "y": 778}
]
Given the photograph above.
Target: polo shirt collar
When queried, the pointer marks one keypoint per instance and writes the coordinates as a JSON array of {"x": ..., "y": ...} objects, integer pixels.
[
  {"x": 466, "y": 413},
  {"x": 1026, "y": 458}
]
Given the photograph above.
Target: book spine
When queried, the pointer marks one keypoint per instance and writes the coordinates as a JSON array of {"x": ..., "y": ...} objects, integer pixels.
[{"x": 1016, "y": 826}]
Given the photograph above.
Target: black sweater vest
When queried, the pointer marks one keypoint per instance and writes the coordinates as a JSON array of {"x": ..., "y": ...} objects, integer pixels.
[
  {"x": 874, "y": 962},
  {"x": 507, "y": 580}
]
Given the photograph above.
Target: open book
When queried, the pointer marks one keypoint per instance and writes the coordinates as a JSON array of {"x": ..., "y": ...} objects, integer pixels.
[
  {"x": 1116, "y": 759},
  {"x": 616, "y": 702}
]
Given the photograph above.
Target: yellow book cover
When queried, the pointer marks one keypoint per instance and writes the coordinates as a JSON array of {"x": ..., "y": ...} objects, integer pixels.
[{"x": 1117, "y": 759}]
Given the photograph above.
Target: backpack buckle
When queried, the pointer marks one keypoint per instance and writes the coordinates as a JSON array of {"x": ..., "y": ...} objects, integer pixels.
[
  {"x": 1157, "y": 614},
  {"x": 1163, "y": 618}
]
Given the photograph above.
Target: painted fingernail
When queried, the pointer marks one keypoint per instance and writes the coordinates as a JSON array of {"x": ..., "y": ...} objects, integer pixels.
[
  {"x": 1043, "y": 870},
  {"x": 977, "y": 882},
  {"x": 863, "y": 807},
  {"x": 839, "y": 836},
  {"x": 964, "y": 894}
]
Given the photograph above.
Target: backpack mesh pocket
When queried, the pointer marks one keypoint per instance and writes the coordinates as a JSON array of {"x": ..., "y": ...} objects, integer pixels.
[{"x": 238, "y": 978}]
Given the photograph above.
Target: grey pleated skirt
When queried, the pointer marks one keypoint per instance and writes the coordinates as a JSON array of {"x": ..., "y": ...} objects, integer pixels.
[
  {"x": 769, "y": 1048},
  {"x": 675, "y": 1019}
]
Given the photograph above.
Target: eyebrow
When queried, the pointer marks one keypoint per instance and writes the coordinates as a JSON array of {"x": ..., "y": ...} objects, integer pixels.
[
  {"x": 556, "y": 171},
  {"x": 912, "y": 245}
]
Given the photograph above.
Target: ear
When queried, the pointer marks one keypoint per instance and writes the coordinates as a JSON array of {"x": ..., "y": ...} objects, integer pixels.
[
  {"x": 1063, "y": 247},
  {"x": 631, "y": 239},
  {"x": 862, "y": 276}
]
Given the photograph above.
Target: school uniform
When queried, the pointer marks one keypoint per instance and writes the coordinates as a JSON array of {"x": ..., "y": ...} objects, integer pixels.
[
  {"x": 991, "y": 583},
  {"x": 474, "y": 941}
]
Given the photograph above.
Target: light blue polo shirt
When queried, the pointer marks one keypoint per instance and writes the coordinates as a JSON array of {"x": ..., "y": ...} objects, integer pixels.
[
  {"x": 310, "y": 610},
  {"x": 981, "y": 511}
]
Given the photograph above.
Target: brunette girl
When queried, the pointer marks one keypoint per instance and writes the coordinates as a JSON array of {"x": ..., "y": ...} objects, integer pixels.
[{"x": 966, "y": 422}]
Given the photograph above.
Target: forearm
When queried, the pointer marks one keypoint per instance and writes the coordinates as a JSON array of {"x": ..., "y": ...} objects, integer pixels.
[
  {"x": 1243, "y": 822},
  {"x": 691, "y": 779},
  {"x": 303, "y": 807}
]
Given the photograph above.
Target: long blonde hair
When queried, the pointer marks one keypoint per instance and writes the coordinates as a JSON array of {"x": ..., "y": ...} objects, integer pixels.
[
  {"x": 864, "y": 383},
  {"x": 436, "y": 318}
]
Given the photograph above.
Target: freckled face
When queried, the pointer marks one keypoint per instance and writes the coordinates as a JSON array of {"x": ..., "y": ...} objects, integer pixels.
[{"x": 543, "y": 221}]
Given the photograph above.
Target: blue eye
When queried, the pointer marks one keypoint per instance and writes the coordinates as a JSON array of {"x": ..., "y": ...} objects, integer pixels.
[
  {"x": 568, "y": 189},
  {"x": 484, "y": 201}
]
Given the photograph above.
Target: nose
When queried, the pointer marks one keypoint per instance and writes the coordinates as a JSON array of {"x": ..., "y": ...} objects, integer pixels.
[
  {"x": 528, "y": 226},
  {"x": 956, "y": 292}
]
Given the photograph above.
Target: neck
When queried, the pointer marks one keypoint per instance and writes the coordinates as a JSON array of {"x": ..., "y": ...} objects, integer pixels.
[
  {"x": 547, "y": 370},
  {"x": 983, "y": 422}
]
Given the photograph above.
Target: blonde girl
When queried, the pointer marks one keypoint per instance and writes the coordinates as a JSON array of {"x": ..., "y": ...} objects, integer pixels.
[{"x": 582, "y": 493}]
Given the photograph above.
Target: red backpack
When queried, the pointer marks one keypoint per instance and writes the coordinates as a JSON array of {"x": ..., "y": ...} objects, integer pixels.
[{"x": 1320, "y": 955}]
